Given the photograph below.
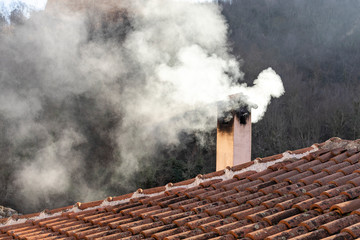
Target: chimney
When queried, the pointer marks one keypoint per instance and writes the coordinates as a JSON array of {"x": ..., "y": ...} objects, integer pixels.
[{"x": 233, "y": 143}]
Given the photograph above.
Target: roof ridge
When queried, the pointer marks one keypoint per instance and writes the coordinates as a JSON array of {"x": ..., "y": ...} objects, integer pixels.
[{"x": 336, "y": 142}]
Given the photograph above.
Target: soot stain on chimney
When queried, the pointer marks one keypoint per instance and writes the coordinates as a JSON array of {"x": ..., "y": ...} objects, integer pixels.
[
  {"x": 243, "y": 115},
  {"x": 225, "y": 122}
]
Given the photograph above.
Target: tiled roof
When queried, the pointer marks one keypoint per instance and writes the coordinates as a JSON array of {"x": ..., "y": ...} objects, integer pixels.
[{"x": 310, "y": 193}]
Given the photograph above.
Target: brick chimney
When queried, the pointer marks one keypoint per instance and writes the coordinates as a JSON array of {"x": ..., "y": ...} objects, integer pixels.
[{"x": 233, "y": 143}]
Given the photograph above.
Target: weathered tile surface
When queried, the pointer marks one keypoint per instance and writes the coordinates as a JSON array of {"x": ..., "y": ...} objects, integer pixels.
[{"x": 302, "y": 196}]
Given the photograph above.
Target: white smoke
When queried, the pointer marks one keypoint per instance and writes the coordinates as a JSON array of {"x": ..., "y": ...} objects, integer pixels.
[
  {"x": 267, "y": 85},
  {"x": 164, "y": 77}
]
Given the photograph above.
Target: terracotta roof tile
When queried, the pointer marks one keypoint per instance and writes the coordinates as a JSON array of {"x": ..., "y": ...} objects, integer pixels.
[
  {"x": 170, "y": 232},
  {"x": 305, "y": 189},
  {"x": 243, "y": 187},
  {"x": 340, "y": 236},
  {"x": 244, "y": 199},
  {"x": 137, "y": 228},
  {"x": 304, "y": 167},
  {"x": 246, "y": 174},
  {"x": 315, "y": 222},
  {"x": 271, "y": 158},
  {"x": 355, "y": 181},
  {"x": 279, "y": 165},
  {"x": 311, "y": 197},
  {"x": 275, "y": 218},
  {"x": 241, "y": 166},
  {"x": 349, "y": 169},
  {"x": 206, "y": 194},
  {"x": 151, "y": 231},
  {"x": 245, "y": 213},
  {"x": 319, "y": 152},
  {"x": 353, "y": 230},
  {"x": 354, "y": 158},
  {"x": 231, "y": 186},
  {"x": 295, "y": 164},
  {"x": 258, "y": 216},
  {"x": 336, "y": 191},
  {"x": 224, "y": 237},
  {"x": 202, "y": 208},
  {"x": 274, "y": 187},
  {"x": 341, "y": 157},
  {"x": 207, "y": 227},
  {"x": 215, "y": 210},
  {"x": 259, "y": 186},
  {"x": 222, "y": 183},
  {"x": 232, "y": 196},
  {"x": 272, "y": 174},
  {"x": 284, "y": 176},
  {"x": 342, "y": 180},
  {"x": 287, "y": 234},
  {"x": 171, "y": 218},
  {"x": 325, "y": 157},
  {"x": 272, "y": 202},
  {"x": 319, "y": 190},
  {"x": 332, "y": 169},
  {"x": 176, "y": 191},
  {"x": 202, "y": 236},
  {"x": 302, "y": 150},
  {"x": 346, "y": 207},
  {"x": 228, "y": 211},
  {"x": 162, "y": 215},
  {"x": 339, "y": 224},
  {"x": 184, "y": 234},
  {"x": 329, "y": 178},
  {"x": 287, "y": 189},
  {"x": 292, "y": 201},
  {"x": 209, "y": 183},
  {"x": 317, "y": 234},
  {"x": 306, "y": 204},
  {"x": 352, "y": 192},
  {"x": 184, "y": 220},
  {"x": 329, "y": 202},
  {"x": 221, "y": 195},
  {"x": 318, "y": 168},
  {"x": 197, "y": 222},
  {"x": 242, "y": 231},
  {"x": 297, "y": 177},
  {"x": 259, "y": 200},
  {"x": 311, "y": 178},
  {"x": 294, "y": 221},
  {"x": 222, "y": 230},
  {"x": 265, "y": 232}
]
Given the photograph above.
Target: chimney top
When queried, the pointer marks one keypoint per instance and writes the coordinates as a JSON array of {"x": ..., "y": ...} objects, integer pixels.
[{"x": 233, "y": 144}]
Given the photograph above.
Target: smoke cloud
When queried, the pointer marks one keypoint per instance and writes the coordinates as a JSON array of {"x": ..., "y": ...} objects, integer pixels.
[{"x": 86, "y": 95}]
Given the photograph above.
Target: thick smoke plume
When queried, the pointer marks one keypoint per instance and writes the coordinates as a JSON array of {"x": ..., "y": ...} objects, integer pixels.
[{"x": 86, "y": 93}]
